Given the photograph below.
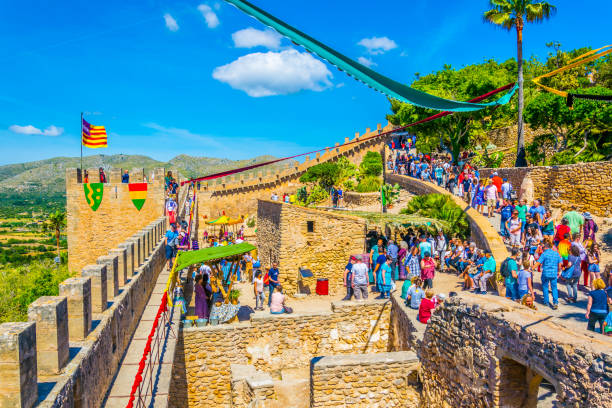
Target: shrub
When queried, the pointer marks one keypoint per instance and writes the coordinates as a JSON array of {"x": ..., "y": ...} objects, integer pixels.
[
  {"x": 349, "y": 185},
  {"x": 317, "y": 194},
  {"x": 371, "y": 165},
  {"x": 369, "y": 184},
  {"x": 441, "y": 207}
]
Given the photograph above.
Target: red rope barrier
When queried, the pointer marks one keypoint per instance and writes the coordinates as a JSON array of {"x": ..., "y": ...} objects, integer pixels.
[
  {"x": 428, "y": 119},
  {"x": 141, "y": 365}
]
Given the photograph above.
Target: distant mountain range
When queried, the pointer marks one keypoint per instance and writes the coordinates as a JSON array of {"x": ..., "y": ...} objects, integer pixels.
[{"x": 49, "y": 175}]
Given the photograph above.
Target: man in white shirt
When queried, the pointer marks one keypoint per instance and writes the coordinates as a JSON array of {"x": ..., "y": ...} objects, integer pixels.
[
  {"x": 491, "y": 194},
  {"x": 506, "y": 189},
  {"x": 274, "y": 197}
]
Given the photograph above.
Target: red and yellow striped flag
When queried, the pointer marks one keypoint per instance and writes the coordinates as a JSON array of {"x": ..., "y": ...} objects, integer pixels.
[{"x": 94, "y": 136}]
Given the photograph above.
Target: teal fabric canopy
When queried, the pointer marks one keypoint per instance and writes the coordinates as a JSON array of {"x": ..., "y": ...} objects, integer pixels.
[{"x": 373, "y": 79}]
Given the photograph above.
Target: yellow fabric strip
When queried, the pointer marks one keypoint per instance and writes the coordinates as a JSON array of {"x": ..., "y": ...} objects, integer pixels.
[
  {"x": 570, "y": 66},
  {"x": 138, "y": 195},
  {"x": 91, "y": 127}
]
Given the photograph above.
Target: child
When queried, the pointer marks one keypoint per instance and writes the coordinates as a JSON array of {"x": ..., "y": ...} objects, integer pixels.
[
  {"x": 426, "y": 306},
  {"x": 593, "y": 258},
  {"x": 258, "y": 288},
  {"x": 525, "y": 279}
]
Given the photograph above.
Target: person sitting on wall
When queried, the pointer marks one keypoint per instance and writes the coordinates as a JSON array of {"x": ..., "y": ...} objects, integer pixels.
[
  {"x": 277, "y": 304},
  {"x": 427, "y": 306},
  {"x": 125, "y": 178}
]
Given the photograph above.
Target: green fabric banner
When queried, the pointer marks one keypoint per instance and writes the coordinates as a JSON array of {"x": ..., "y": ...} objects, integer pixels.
[
  {"x": 371, "y": 78},
  {"x": 188, "y": 258}
]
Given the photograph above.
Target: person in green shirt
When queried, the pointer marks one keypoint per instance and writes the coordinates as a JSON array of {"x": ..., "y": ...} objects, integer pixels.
[
  {"x": 511, "y": 280},
  {"x": 574, "y": 220},
  {"x": 522, "y": 213}
]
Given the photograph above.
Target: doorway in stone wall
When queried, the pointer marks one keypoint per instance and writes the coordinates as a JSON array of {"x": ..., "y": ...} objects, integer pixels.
[{"x": 521, "y": 387}]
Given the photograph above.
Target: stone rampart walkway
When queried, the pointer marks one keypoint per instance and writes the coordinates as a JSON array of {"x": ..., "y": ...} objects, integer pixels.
[{"x": 121, "y": 387}]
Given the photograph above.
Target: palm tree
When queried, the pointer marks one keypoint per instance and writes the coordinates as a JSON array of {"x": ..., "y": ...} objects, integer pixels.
[
  {"x": 55, "y": 223},
  {"x": 511, "y": 14}
]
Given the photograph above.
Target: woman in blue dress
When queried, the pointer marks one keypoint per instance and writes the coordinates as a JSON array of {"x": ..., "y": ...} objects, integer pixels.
[{"x": 479, "y": 200}]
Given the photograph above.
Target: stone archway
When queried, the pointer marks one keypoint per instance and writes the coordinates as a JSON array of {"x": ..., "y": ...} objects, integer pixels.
[{"x": 518, "y": 385}]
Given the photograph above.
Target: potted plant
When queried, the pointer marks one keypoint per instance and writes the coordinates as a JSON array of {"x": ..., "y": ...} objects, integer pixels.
[{"x": 234, "y": 295}]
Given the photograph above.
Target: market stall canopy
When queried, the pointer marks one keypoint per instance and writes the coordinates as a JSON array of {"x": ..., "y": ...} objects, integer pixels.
[
  {"x": 188, "y": 258},
  {"x": 222, "y": 220},
  {"x": 234, "y": 221}
]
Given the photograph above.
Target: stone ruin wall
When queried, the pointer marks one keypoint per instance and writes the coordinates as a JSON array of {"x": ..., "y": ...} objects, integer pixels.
[
  {"x": 494, "y": 353},
  {"x": 388, "y": 379},
  {"x": 91, "y": 319},
  {"x": 283, "y": 237},
  {"x": 588, "y": 186},
  {"x": 204, "y": 355},
  {"x": 92, "y": 233},
  {"x": 237, "y": 195}
]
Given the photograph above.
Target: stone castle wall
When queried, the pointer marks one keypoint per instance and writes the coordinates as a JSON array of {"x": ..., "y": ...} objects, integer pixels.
[
  {"x": 366, "y": 380},
  {"x": 283, "y": 237},
  {"x": 353, "y": 199},
  {"x": 494, "y": 353},
  {"x": 237, "y": 195},
  {"x": 588, "y": 186},
  {"x": 272, "y": 343},
  {"x": 92, "y": 233}
]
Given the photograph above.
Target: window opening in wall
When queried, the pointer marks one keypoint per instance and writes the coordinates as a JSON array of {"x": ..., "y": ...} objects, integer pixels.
[{"x": 310, "y": 226}]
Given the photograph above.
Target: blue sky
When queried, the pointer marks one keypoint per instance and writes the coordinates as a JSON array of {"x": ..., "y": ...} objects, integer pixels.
[{"x": 202, "y": 78}]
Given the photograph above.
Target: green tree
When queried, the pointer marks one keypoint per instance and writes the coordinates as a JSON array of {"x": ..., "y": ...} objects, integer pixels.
[
  {"x": 578, "y": 134},
  {"x": 513, "y": 14},
  {"x": 55, "y": 223},
  {"x": 461, "y": 130},
  {"x": 325, "y": 174},
  {"x": 371, "y": 165}
]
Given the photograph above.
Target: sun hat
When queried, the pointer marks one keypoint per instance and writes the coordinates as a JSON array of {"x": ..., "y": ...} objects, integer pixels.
[{"x": 587, "y": 216}]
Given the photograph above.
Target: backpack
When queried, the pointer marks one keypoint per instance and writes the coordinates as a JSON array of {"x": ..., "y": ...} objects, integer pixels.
[{"x": 504, "y": 270}]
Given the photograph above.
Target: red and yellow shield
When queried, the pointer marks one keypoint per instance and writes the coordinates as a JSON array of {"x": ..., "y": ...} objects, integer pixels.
[{"x": 138, "y": 194}]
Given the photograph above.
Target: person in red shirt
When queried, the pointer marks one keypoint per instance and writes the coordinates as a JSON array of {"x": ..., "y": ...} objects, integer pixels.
[
  {"x": 562, "y": 229},
  {"x": 497, "y": 181},
  {"x": 426, "y": 306}
]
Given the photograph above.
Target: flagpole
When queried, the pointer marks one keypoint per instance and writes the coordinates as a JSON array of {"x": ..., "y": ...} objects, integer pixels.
[{"x": 81, "y": 144}]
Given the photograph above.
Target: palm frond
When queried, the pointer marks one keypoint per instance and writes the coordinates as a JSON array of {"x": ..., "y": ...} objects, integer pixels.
[
  {"x": 538, "y": 12},
  {"x": 503, "y": 19}
]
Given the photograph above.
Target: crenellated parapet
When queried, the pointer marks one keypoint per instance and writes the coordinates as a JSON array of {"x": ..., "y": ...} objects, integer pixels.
[{"x": 112, "y": 293}]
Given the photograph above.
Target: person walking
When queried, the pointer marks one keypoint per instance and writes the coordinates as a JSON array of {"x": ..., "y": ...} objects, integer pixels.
[
  {"x": 171, "y": 243},
  {"x": 575, "y": 220},
  {"x": 550, "y": 262},
  {"x": 492, "y": 196},
  {"x": 571, "y": 274},
  {"x": 401, "y": 258},
  {"x": 393, "y": 251},
  {"x": 428, "y": 268},
  {"x": 258, "y": 289},
  {"x": 359, "y": 279},
  {"x": 348, "y": 278},
  {"x": 203, "y": 292},
  {"x": 589, "y": 228},
  {"x": 386, "y": 275},
  {"x": 273, "y": 278}
]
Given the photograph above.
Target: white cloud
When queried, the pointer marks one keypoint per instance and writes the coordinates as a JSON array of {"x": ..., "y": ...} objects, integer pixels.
[
  {"x": 171, "y": 22},
  {"x": 366, "y": 61},
  {"x": 378, "y": 45},
  {"x": 31, "y": 130},
  {"x": 275, "y": 73},
  {"x": 211, "y": 18},
  {"x": 251, "y": 37}
]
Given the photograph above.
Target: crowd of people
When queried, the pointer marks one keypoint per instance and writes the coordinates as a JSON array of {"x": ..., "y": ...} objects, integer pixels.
[{"x": 560, "y": 250}]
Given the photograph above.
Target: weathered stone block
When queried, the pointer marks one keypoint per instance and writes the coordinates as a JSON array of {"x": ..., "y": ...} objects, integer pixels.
[
  {"x": 50, "y": 313},
  {"x": 78, "y": 293},
  {"x": 112, "y": 273},
  {"x": 129, "y": 257},
  {"x": 18, "y": 371},
  {"x": 99, "y": 284},
  {"x": 122, "y": 269}
]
